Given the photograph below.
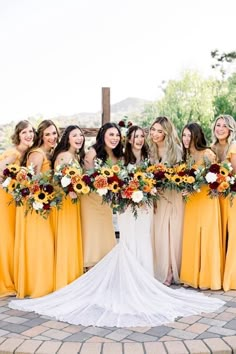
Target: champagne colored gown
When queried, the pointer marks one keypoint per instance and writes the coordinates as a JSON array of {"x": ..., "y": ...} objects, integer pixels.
[
  {"x": 34, "y": 268},
  {"x": 7, "y": 236},
  {"x": 202, "y": 261}
]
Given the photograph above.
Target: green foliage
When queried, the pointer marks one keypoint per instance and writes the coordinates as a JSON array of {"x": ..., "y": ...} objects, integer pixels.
[{"x": 186, "y": 100}]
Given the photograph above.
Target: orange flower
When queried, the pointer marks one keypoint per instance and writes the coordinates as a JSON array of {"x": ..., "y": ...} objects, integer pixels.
[
  {"x": 220, "y": 178},
  {"x": 115, "y": 168},
  {"x": 223, "y": 186},
  {"x": 133, "y": 184},
  {"x": 100, "y": 182},
  {"x": 147, "y": 189}
]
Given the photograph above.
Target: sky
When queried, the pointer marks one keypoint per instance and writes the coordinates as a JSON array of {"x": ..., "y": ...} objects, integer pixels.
[{"x": 56, "y": 55}]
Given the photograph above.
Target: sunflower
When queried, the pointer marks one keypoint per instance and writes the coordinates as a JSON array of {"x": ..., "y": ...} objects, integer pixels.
[
  {"x": 139, "y": 175},
  {"x": 13, "y": 168},
  {"x": 72, "y": 171},
  {"x": 107, "y": 172},
  {"x": 11, "y": 186},
  {"x": 177, "y": 179},
  {"x": 151, "y": 168},
  {"x": 41, "y": 197},
  {"x": 79, "y": 186},
  {"x": 224, "y": 171},
  {"x": 115, "y": 168},
  {"x": 114, "y": 187},
  {"x": 180, "y": 167}
]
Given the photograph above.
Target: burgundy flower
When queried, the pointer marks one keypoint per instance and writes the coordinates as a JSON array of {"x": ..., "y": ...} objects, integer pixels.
[
  {"x": 233, "y": 187},
  {"x": 46, "y": 206},
  {"x": 192, "y": 172},
  {"x": 213, "y": 185},
  {"x": 48, "y": 188},
  {"x": 121, "y": 123},
  {"x": 214, "y": 168},
  {"x": 86, "y": 179},
  {"x": 181, "y": 173},
  {"x": 159, "y": 175},
  {"x": 25, "y": 192},
  {"x": 6, "y": 172}
]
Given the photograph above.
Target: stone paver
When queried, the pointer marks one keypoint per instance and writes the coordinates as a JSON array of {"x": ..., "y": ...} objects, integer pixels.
[{"x": 23, "y": 332}]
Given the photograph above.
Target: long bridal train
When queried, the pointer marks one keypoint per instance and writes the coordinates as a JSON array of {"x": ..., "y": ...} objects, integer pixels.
[{"x": 119, "y": 291}]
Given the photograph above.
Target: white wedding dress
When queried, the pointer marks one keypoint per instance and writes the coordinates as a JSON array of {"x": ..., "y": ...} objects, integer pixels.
[{"x": 120, "y": 290}]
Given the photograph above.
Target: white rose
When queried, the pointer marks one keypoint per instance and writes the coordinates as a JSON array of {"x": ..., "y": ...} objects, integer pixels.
[
  {"x": 37, "y": 205},
  {"x": 6, "y": 182},
  {"x": 211, "y": 177},
  {"x": 65, "y": 181},
  {"x": 137, "y": 196},
  {"x": 102, "y": 191}
]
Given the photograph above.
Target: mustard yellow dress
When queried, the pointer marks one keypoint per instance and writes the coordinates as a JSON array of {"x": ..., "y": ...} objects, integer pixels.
[
  {"x": 201, "y": 264},
  {"x": 97, "y": 229},
  {"x": 229, "y": 281},
  {"x": 7, "y": 236},
  {"x": 68, "y": 246},
  {"x": 34, "y": 250}
]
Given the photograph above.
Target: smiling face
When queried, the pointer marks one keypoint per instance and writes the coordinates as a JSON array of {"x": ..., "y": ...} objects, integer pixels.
[
  {"x": 221, "y": 130},
  {"x": 157, "y": 133},
  {"x": 50, "y": 137},
  {"x": 137, "y": 139},
  {"x": 112, "y": 138},
  {"x": 26, "y": 136},
  {"x": 186, "y": 138},
  {"x": 76, "y": 139}
]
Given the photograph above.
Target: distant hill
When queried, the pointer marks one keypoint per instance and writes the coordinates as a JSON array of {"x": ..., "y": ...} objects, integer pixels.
[{"x": 131, "y": 107}]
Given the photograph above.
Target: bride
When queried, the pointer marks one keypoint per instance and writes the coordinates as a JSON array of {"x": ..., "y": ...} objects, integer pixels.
[{"x": 120, "y": 290}]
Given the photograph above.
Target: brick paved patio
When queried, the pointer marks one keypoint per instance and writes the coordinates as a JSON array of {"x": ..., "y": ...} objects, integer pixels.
[{"x": 26, "y": 332}]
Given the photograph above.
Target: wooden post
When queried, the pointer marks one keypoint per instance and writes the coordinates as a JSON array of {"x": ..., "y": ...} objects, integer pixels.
[{"x": 106, "y": 116}]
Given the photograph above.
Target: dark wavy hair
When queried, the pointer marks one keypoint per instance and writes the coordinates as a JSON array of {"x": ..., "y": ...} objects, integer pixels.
[
  {"x": 197, "y": 138},
  {"x": 64, "y": 144},
  {"x": 129, "y": 156},
  {"x": 100, "y": 145}
]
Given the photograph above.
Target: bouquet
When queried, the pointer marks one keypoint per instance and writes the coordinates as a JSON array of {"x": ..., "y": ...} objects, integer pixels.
[
  {"x": 123, "y": 186},
  {"x": 185, "y": 178},
  {"x": 16, "y": 182},
  {"x": 221, "y": 180},
  {"x": 70, "y": 178},
  {"x": 44, "y": 195}
]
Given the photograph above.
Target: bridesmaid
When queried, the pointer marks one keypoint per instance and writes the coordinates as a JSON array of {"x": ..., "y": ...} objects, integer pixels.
[
  {"x": 97, "y": 225},
  {"x": 139, "y": 240},
  {"x": 22, "y": 139},
  {"x": 34, "y": 247},
  {"x": 202, "y": 245},
  {"x": 68, "y": 248},
  {"x": 224, "y": 145},
  {"x": 168, "y": 218}
]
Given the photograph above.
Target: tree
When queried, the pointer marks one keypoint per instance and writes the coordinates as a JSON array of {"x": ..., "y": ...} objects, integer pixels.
[{"x": 185, "y": 100}]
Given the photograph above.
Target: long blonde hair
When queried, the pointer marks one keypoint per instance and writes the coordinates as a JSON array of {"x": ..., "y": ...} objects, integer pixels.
[
  {"x": 230, "y": 124},
  {"x": 173, "y": 150}
]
